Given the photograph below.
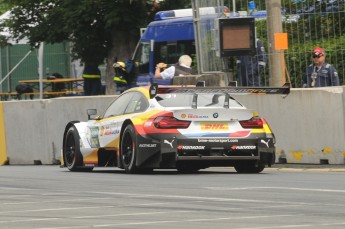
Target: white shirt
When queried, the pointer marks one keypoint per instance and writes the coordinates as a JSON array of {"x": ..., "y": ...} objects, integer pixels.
[{"x": 169, "y": 73}]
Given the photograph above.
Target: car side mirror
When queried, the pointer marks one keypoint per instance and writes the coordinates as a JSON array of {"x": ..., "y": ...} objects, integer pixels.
[{"x": 91, "y": 112}]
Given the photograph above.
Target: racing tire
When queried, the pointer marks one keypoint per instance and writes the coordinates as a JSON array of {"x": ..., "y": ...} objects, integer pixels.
[
  {"x": 71, "y": 151},
  {"x": 250, "y": 167},
  {"x": 129, "y": 150}
]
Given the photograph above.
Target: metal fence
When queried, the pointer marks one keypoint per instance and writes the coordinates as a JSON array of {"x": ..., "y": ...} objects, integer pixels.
[
  {"x": 56, "y": 58},
  {"x": 309, "y": 24}
]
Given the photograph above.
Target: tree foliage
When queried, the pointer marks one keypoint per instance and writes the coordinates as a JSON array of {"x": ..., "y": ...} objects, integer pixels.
[
  {"x": 4, "y": 7},
  {"x": 98, "y": 30},
  {"x": 89, "y": 25}
]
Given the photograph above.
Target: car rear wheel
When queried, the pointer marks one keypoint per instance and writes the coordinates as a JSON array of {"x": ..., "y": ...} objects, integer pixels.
[
  {"x": 249, "y": 167},
  {"x": 128, "y": 149},
  {"x": 71, "y": 151}
]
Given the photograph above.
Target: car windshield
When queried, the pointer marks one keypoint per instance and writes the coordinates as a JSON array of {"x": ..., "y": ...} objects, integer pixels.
[{"x": 203, "y": 100}]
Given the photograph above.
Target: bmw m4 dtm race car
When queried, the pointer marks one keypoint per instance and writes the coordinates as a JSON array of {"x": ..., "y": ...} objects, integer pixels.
[{"x": 173, "y": 127}]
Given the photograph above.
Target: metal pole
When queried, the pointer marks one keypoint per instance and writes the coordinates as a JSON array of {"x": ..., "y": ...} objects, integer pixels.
[
  {"x": 196, "y": 19},
  {"x": 234, "y": 7},
  {"x": 276, "y": 57},
  {"x": 8, "y": 66},
  {"x": 40, "y": 68}
]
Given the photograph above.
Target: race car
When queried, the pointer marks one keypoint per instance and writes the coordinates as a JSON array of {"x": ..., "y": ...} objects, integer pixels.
[{"x": 173, "y": 127}]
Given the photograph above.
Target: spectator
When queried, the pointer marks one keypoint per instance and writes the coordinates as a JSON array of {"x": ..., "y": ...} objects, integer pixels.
[
  {"x": 179, "y": 69},
  {"x": 121, "y": 77},
  {"x": 57, "y": 86},
  {"x": 320, "y": 73},
  {"x": 92, "y": 80},
  {"x": 249, "y": 67}
]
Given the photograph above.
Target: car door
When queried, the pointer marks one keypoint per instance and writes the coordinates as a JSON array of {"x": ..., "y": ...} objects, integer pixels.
[{"x": 106, "y": 131}]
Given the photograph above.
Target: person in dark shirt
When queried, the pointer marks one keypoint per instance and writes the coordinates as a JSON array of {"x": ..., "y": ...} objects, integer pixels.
[
  {"x": 320, "y": 73},
  {"x": 92, "y": 80},
  {"x": 249, "y": 67}
]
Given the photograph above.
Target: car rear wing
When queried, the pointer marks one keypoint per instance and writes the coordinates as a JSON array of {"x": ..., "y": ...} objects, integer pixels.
[{"x": 154, "y": 90}]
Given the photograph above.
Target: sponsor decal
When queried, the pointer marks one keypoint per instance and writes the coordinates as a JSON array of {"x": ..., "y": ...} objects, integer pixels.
[
  {"x": 148, "y": 123},
  {"x": 265, "y": 142},
  {"x": 169, "y": 143},
  {"x": 191, "y": 147},
  {"x": 147, "y": 145},
  {"x": 234, "y": 147},
  {"x": 183, "y": 115},
  {"x": 215, "y": 115},
  {"x": 214, "y": 126},
  {"x": 94, "y": 142},
  {"x": 231, "y": 91},
  {"x": 217, "y": 140},
  {"x": 197, "y": 116},
  {"x": 94, "y": 132},
  {"x": 109, "y": 130}
]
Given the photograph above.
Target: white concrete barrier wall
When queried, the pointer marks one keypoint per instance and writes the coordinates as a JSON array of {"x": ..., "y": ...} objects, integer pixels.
[
  {"x": 308, "y": 124},
  {"x": 34, "y": 128}
]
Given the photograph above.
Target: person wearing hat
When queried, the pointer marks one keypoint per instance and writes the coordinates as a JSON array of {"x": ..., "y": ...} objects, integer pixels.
[{"x": 320, "y": 73}]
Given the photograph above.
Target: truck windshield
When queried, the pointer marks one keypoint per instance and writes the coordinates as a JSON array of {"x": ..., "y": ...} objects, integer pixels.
[
  {"x": 164, "y": 52},
  {"x": 170, "y": 52},
  {"x": 142, "y": 57}
]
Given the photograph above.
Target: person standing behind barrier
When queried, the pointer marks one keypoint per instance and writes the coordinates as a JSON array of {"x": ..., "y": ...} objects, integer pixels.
[
  {"x": 249, "y": 67},
  {"x": 180, "y": 69},
  {"x": 320, "y": 73},
  {"x": 92, "y": 80}
]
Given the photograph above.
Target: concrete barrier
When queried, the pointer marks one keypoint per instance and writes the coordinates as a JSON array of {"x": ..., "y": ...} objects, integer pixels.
[
  {"x": 309, "y": 125},
  {"x": 34, "y": 128},
  {"x": 3, "y": 155}
]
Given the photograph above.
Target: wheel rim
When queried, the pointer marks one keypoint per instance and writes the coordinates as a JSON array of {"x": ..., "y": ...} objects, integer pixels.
[
  {"x": 70, "y": 154},
  {"x": 127, "y": 149}
]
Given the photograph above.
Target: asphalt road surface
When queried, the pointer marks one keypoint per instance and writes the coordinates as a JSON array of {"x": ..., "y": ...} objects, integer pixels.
[{"x": 53, "y": 197}]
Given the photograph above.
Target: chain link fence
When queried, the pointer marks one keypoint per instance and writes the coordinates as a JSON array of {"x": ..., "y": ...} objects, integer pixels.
[{"x": 309, "y": 24}]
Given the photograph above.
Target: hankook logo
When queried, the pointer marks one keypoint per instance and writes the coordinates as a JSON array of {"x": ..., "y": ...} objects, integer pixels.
[
  {"x": 215, "y": 115},
  {"x": 191, "y": 147},
  {"x": 242, "y": 147}
]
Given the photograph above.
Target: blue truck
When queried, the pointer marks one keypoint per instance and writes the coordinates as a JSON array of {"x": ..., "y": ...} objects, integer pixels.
[{"x": 165, "y": 39}]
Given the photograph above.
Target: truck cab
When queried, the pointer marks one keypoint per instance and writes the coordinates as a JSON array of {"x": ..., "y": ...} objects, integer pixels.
[{"x": 165, "y": 39}]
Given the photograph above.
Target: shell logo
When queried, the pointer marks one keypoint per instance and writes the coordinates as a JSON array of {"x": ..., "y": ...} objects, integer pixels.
[{"x": 183, "y": 115}]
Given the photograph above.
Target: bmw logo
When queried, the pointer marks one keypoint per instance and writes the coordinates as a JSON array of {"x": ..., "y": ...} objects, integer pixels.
[{"x": 215, "y": 115}]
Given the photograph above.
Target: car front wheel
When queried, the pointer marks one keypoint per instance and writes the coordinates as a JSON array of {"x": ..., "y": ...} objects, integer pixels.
[
  {"x": 128, "y": 149},
  {"x": 71, "y": 151}
]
